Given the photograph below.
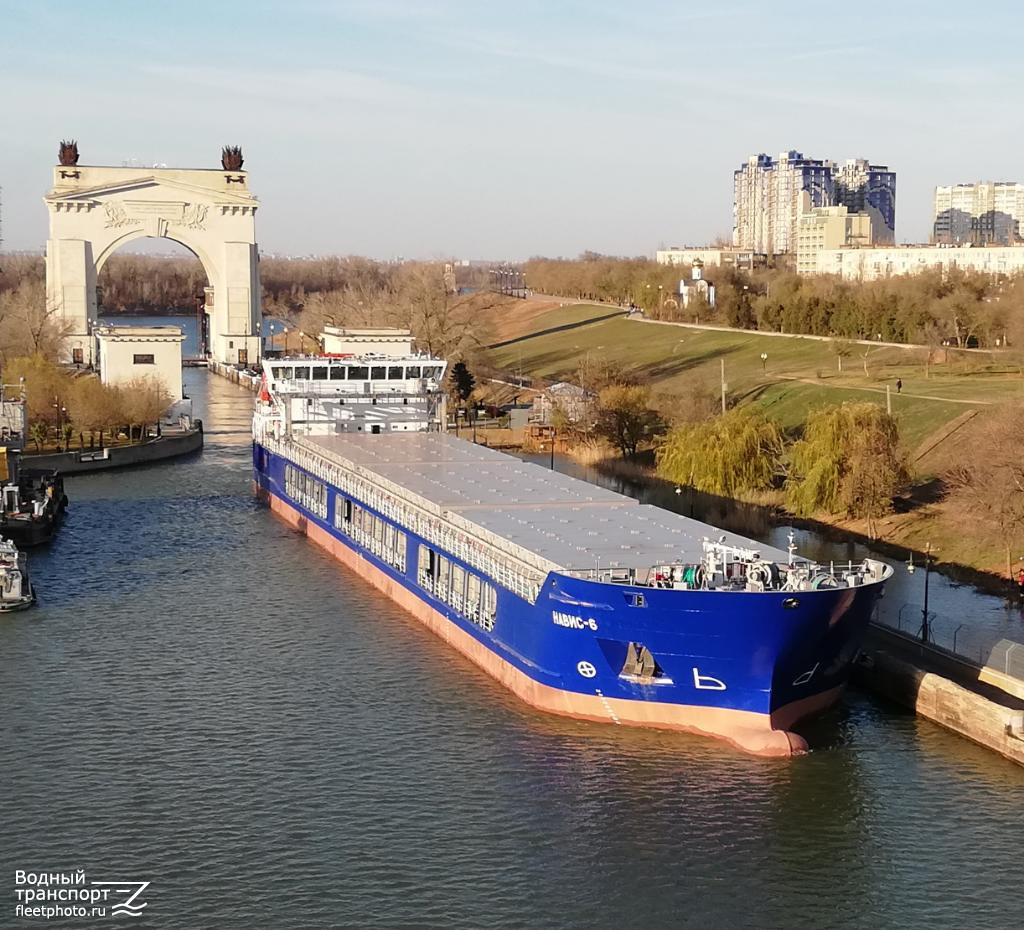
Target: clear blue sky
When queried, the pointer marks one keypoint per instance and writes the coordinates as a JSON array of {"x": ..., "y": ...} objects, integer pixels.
[{"x": 427, "y": 128}]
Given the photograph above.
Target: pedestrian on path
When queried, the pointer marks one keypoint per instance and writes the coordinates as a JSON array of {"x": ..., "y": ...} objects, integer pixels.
[{"x": 899, "y": 385}]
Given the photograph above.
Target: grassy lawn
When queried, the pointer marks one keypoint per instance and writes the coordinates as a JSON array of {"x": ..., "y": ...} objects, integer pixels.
[{"x": 798, "y": 374}]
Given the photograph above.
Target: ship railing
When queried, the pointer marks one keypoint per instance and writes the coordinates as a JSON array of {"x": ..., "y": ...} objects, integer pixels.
[
  {"x": 516, "y": 577},
  {"x": 607, "y": 575}
]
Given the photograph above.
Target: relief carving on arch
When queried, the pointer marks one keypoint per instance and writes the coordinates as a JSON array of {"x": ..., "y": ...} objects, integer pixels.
[
  {"x": 192, "y": 217},
  {"x": 117, "y": 216}
]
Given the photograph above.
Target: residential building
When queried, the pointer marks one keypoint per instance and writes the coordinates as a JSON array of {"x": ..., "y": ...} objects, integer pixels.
[
  {"x": 573, "y": 401},
  {"x": 711, "y": 257},
  {"x": 865, "y": 188},
  {"x": 767, "y": 197},
  {"x": 983, "y": 213},
  {"x": 823, "y": 228},
  {"x": 870, "y": 264}
]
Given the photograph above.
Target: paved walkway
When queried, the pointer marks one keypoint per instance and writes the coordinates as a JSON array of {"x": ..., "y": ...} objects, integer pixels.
[
  {"x": 712, "y": 327},
  {"x": 855, "y": 387}
]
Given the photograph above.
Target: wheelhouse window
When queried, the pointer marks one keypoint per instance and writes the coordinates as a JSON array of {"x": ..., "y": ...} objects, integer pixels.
[
  {"x": 282, "y": 372},
  {"x": 302, "y": 373},
  {"x": 378, "y": 373},
  {"x": 319, "y": 372},
  {"x": 358, "y": 373},
  {"x": 395, "y": 373},
  {"x": 143, "y": 359},
  {"x": 413, "y": 371},
  {"x": 338, "y": 372}
]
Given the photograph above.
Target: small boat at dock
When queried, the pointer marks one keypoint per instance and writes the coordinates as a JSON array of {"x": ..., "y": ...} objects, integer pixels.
[
  {"x": 32, "y": 504},
  {"x": 16, "y": 591}
]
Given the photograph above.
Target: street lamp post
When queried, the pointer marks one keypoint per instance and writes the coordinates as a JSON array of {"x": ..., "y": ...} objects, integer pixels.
[
  {"x": 927, "y": 571},
  {"x": 925, "y": 626}
]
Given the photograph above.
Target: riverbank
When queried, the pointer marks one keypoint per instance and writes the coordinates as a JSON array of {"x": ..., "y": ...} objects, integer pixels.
[
  {"x": 903, "y": 535},
  {"x": 786, "y": 377},
  {"x": 941, "y": 392}
]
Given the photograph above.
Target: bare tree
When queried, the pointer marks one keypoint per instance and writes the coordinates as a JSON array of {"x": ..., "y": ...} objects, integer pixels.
[
  {"x": 145, "y": 401},
  {"x": 625, "y": 418},
  {"x": 988, "y": 482}
]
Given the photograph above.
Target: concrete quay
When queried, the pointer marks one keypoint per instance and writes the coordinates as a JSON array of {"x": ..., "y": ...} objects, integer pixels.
[
  {"x": 239, "y": 375},
  {"x": 978, "y": 702},
  {"x": 172, "y": 444}
]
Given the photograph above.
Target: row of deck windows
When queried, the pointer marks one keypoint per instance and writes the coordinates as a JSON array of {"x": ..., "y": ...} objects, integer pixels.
[
  {"x": 382, "y": 539},
  {"x": 450, "y": 582},
  {"x": 306, "y": 490},
  {"x": 354, "y": 372}
]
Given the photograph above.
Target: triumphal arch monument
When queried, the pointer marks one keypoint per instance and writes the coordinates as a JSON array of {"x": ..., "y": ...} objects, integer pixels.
[{"x": 96, "y": 209}]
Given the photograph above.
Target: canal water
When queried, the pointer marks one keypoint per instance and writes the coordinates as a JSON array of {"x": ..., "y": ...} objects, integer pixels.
[{"x": 204, "y": 701}]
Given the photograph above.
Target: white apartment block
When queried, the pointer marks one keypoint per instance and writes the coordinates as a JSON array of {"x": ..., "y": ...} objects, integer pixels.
[
  {"x": 872, "y": 264},
  {"x": 983, "y": 213},
  {"x": 710, "y": 257}
]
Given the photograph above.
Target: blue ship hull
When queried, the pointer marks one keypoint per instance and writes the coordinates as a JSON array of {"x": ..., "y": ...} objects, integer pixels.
[{"x": 738, "y": 665}]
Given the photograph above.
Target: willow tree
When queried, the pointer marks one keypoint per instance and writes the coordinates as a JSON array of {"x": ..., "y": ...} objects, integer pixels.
[
  {"x": 738, "y": 451},
  {"x": 849, "y": 462}
]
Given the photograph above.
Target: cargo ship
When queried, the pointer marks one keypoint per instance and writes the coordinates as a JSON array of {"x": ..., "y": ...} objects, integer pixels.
[{"x": 581, "y": 601}]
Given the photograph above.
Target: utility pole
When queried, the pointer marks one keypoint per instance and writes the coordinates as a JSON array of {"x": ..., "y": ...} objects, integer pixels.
[{"x": 723, "y": 384}]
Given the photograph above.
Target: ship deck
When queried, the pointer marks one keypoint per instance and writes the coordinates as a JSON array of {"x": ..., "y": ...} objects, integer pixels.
[{"x": 570, "y": 523}]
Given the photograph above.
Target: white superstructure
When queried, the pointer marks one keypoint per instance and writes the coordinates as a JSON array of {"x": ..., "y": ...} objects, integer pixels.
[{"x": 351, "y": 393}]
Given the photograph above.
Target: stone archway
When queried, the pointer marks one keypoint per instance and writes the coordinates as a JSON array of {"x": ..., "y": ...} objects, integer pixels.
[{"x": 94, "y": 210}]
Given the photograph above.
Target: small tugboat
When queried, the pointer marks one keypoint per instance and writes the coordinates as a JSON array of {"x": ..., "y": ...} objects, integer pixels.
[
  {"x": 15, "y": 588},
  {"x": 32, "y": 504},
  {"x": 32, "y": 500}
]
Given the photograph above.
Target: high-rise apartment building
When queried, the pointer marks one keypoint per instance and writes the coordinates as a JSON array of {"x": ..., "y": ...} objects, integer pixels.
[
  {"x": 978, "y": 214},
  {"x": 862, "y": 188},
  {"x": 767, "y": 197}
]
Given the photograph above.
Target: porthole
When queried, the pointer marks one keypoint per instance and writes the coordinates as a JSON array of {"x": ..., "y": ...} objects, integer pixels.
[{"x": 791, "y": 603}]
